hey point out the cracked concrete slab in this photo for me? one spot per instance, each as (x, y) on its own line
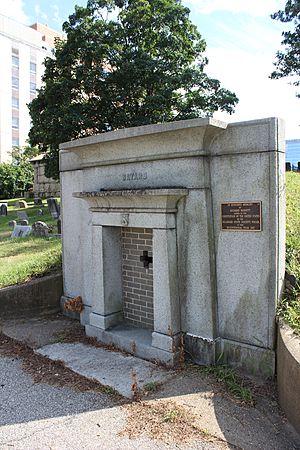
(110, 368)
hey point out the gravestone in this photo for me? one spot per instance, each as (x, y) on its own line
(38, 202)
(22, 204)
(40, 229)
(24, 222)
(40, 212)
(12, 223)
(3, 209)
(59, 225)
(21, 231)
(53, 207)
(22, 215)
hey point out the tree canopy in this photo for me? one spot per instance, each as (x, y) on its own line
(288, 60)
(123, 63)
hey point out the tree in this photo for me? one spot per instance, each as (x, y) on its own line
(288, 60)
(23, 154)
(143, 65)
(17, 176)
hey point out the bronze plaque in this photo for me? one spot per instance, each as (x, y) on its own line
(241, 216)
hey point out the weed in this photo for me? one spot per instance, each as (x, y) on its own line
(170, 415)
(110, 390)
(152, 386)
(134, 388)
(232, 382)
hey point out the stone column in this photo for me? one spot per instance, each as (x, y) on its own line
(107, 279)
(165, 290)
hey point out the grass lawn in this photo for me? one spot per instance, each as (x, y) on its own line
(25, 258)
(289, 308)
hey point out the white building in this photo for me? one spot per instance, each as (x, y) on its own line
(23, 50)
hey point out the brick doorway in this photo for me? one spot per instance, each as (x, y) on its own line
(137, 277)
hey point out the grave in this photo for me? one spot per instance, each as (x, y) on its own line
(38, 202)
(54, 208)
(40, 229)
(20, 231)
(174, 236)
(21, 204)
(22, 215)
(3, 209)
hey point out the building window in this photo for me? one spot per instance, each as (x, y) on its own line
(15, 102)
(33, 67)
(15, 82)
(15, 142)
(32, 88)
(15, 61)
(15, 122)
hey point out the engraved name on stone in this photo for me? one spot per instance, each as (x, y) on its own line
(133, 176)
(241, 216)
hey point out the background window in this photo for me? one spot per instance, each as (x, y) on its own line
(33, 88)
(15, 82)
(15, 61)
(15, 122)
(33, 67)
(15, 102)
(15, 142)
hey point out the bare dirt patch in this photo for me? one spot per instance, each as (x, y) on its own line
(166, 421)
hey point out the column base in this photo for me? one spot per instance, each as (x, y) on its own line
(105, 321)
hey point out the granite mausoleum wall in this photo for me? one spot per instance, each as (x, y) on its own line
(213, 196)
(137, 279)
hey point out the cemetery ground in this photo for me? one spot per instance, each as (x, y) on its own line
(45, 405)
(22, 259)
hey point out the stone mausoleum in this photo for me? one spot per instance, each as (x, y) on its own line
(173, 235)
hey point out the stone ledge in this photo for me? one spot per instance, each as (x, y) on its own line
(41, 295)
(288, 373)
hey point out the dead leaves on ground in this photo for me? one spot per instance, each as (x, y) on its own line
(163, 420)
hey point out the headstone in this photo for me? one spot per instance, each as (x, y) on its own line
(24, 222)
(21, 231)
(53, 207)
(22, 204)
(40, 212)
(40, 229)
(22, 215)
(38, 202)
(298, 166)
(3, 209)
(59, 225)
(288, 166)
(12, 224)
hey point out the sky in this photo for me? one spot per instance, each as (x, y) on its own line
(242, 41)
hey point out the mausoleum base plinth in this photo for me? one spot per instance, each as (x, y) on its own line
(136, 341)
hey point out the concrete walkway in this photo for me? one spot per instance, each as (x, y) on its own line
(42, 416)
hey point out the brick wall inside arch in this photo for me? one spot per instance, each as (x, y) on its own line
(137, 279)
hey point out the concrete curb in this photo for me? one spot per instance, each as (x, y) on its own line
(37, 296)
(288, 373)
